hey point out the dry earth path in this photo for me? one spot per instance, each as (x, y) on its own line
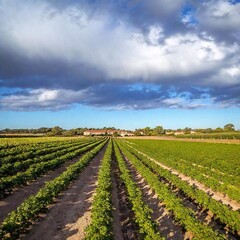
(117, 230)
(11, 202)
(166, 224)
(71, 213)
(124, 226)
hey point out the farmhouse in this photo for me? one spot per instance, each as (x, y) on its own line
(110, 132)
(178, 133)
(125, 133)
(94, 132)
(106, 132)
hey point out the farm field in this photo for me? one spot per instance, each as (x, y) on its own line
(103, 188)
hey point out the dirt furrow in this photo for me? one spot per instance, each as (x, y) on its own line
(71, 213)
(129, 229)
(12, 201)
(202, 215)
(117, 229)
(166, 224)
(205, 216)
(214, 194)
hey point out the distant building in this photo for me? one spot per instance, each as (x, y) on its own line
(178, 133)
(125, 133)
(94, 132)
(169, 133)
(107, 132)
(110, 132)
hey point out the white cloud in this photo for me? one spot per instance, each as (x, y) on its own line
(42, 99)
(229, 76)
(47, 99)
(233, 71)
(155, 35)
(183, 102)
(119, 51)
(219, 17)
(116, 49)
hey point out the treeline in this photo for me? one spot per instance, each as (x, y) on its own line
(213, 135)
(48, 131)
(159, 130)
(224, 132)
(54, 131)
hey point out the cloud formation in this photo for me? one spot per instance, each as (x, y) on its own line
(61, 53)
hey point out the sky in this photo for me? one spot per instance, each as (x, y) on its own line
(121, 63)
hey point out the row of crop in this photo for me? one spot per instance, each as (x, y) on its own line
(233, 192)
(21, 178)
(9, 169)
(101, 214)
(6, 149)
(225, 135)
(147, 227)
(15, 141)
(41, 150)
(224, 213)
(171, 160)
(182, 214)
(222, 157)
(213, 173)
(20, 219)
(21, 148)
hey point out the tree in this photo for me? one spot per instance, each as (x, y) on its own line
(71, 132)
(158, 130)
(147, 131)
(218, 130)
(116, 134)
(57, 131)
(229, 127)
(187, 130)
(138, 132)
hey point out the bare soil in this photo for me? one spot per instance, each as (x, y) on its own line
(71, 214)
(129, 229)
(201, 214)
(214, 194)
(11, 202)
(166, 224)
(205, 216)
(117, 228)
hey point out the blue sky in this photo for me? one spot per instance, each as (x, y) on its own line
(83, 116)
(127, 64)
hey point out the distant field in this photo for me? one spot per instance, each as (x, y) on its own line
(187, 139)
(210, 163)
(225, 135)
(2, 135)
(103, 188)
(23, 139)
